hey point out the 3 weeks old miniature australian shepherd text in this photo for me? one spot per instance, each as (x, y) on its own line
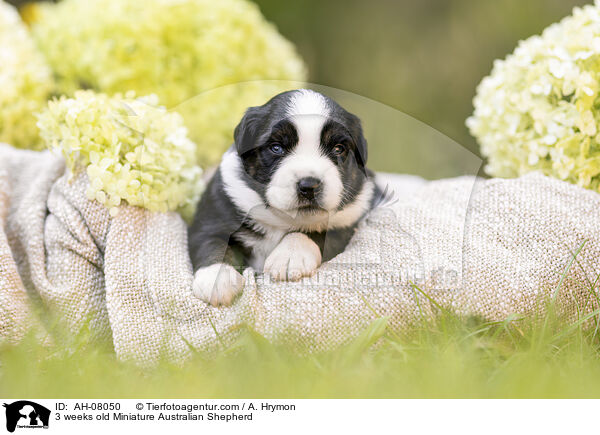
(287, 195)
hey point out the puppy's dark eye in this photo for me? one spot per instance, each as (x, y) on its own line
(339, 149)
(277, 149)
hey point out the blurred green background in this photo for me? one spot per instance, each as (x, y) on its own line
(422, 58)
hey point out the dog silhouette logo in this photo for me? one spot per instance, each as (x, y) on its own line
(26, 414)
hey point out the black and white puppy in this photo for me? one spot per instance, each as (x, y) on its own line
(287, 195)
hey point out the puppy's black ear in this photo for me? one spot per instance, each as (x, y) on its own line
(247, 133)
(356, 131)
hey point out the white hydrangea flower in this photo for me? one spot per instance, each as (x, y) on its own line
(132, 149)
(539, 108)
(25, 81)
(177, 49)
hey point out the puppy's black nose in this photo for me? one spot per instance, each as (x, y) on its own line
(309, 187)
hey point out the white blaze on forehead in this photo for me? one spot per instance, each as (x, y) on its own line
(307, 102)
(308, 128)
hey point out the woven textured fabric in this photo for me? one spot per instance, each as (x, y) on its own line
(488, 248)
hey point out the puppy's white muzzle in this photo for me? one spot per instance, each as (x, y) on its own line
(285, 191)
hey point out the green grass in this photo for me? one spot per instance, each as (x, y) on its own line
(542, 356)
(452, 357)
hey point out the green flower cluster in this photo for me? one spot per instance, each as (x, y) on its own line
(132, 149)
(539, 108)
(25, 81)
(177, 49)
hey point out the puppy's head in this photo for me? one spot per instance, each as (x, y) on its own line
(302, 152)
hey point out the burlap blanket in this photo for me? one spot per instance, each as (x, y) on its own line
(476, 247)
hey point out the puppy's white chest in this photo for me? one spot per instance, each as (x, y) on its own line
(261, 246)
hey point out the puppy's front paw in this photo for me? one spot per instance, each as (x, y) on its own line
(217, 284)
(294, 257)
